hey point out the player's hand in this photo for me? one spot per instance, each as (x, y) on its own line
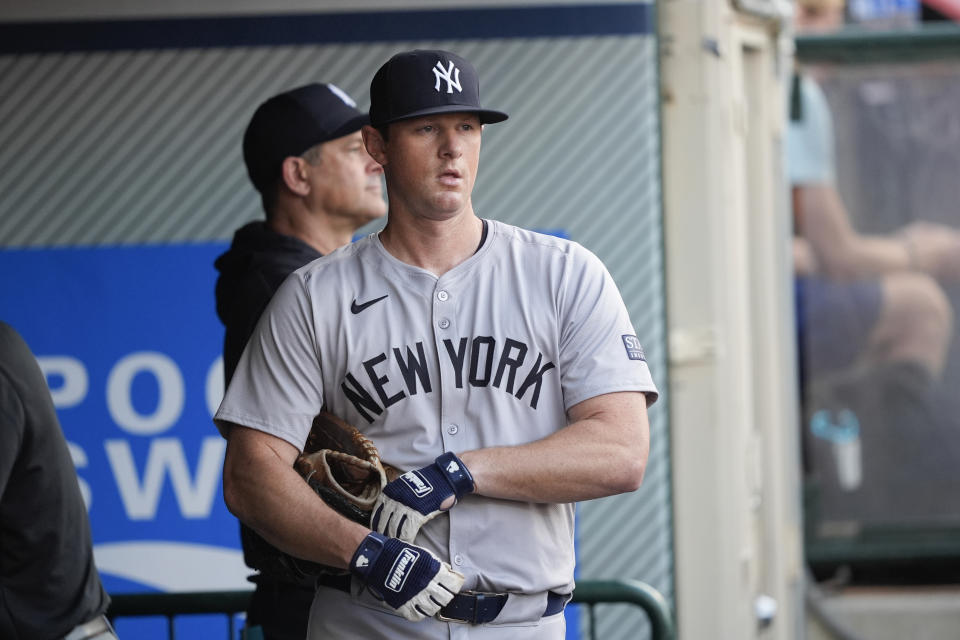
(408, 578)
(933, 248)
(418, 496)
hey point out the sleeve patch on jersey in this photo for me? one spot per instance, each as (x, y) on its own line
(634, 350)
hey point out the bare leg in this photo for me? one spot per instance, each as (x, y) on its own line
(915, 324)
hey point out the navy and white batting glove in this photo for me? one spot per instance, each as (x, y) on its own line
(415, 497)
(410, 579)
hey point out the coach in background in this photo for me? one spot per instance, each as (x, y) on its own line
(49, 585)
(305, 155)
(498, 367)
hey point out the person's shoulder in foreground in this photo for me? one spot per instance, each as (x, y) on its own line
(49, 585)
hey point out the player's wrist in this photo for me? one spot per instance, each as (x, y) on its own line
(456, 473)
(367, 554)
(411, 579)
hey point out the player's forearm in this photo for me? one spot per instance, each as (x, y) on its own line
(262, 489)
(306, 528)
(600, 454)
(554, 472)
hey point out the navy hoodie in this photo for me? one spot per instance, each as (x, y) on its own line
(251, 271)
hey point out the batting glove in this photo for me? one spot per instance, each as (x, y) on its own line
(410, 579)
(415, 497)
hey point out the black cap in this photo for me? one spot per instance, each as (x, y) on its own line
(423, 82)
(290, 123)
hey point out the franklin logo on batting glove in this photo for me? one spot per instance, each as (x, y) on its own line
(415, 497)
(408, 578)
(401, 569)
(417, 483)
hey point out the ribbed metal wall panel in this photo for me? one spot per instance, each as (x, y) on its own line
(142, 147)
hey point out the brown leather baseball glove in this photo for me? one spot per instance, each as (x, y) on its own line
(343, 466)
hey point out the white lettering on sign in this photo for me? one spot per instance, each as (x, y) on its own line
(166, 457)
(171, 393)
(73, 390)
(141, 484)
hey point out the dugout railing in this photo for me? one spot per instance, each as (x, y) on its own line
(589, 594)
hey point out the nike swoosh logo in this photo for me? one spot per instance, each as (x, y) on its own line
(357, 308)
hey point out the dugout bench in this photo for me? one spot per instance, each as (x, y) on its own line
(588, 593)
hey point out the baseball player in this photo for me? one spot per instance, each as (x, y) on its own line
(496, 366)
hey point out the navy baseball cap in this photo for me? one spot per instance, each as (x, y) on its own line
(423, 82)
(290, 123)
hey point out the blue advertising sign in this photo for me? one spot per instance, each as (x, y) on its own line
(130, 343)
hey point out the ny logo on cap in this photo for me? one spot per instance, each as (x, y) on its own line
(451, 74)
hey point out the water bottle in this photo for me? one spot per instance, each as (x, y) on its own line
(844, 436)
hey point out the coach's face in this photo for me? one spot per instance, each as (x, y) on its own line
(430, 163)
(345, 181)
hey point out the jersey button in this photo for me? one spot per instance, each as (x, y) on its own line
(442, 296)
(452, 429)
(444, 323)
(458, 559)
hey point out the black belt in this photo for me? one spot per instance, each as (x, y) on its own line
(474, 607)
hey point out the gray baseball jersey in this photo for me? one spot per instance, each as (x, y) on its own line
(491, 353)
